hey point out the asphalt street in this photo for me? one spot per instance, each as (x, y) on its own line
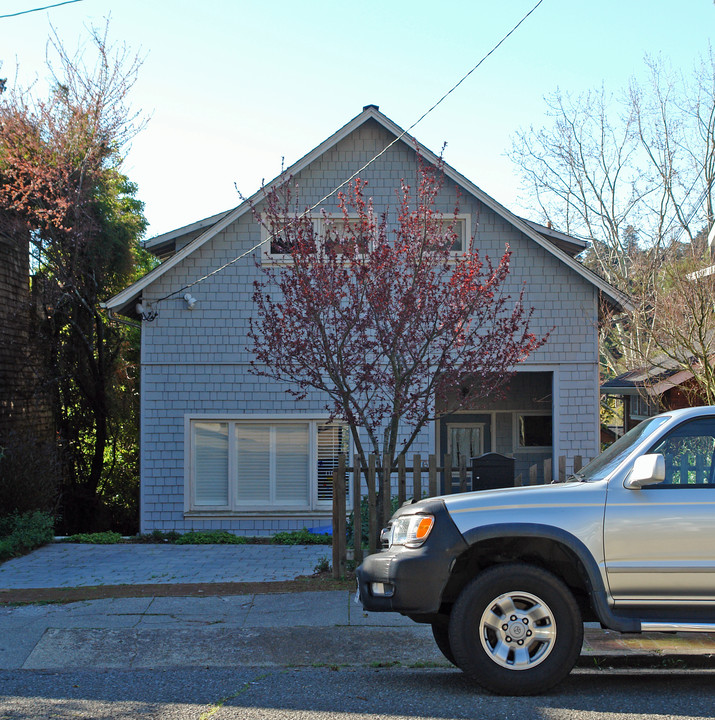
(288, 655)
(345, 693)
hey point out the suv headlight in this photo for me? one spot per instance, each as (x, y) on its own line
(411, 530)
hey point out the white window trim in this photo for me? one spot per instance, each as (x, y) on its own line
(467, 237)
(318, 222)
(525, 449)
(279, 258)
(234, 507)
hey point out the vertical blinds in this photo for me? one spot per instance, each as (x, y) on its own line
(332, 440)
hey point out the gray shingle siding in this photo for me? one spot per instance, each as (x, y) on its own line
(195, 362)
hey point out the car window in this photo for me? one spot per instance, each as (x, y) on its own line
(688, 450)
(615, 454)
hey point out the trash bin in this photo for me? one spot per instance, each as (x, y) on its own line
(492, 470)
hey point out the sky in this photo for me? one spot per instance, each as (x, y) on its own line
(232, 89)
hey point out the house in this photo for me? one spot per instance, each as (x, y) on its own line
(24, 404)
(647, 391)
(221, 448)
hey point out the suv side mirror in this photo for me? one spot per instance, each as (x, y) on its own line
(647, 470)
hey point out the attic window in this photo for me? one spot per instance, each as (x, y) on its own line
(460, 226)
(339, 229)
(281, 242)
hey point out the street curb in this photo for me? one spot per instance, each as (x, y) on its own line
(627, 661)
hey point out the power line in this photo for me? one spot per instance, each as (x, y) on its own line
(39, 9)
(365, 166)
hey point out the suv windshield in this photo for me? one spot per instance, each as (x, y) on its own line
(612, 456)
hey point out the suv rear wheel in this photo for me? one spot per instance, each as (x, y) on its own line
(516, 630)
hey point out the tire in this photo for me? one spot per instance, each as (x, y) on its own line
(440, 633)
(516, 630)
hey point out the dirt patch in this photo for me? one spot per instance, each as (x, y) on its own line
(313, 583)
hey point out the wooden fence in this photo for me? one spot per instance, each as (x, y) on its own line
(425, 482)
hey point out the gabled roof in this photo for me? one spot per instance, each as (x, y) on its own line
(654, 380)
(210, 227)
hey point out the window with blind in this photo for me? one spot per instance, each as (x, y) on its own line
(245, 465)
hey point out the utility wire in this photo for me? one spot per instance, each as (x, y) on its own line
(39, 9)
(364, 167)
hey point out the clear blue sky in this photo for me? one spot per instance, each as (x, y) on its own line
(234, 86)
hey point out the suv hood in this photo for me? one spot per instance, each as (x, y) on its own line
(558, 504)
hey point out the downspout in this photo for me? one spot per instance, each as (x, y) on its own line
(121, 321)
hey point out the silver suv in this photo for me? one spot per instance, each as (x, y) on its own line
(506, 578)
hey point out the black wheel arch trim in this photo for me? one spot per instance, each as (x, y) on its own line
(599, 595)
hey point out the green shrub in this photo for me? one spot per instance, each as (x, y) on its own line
(157, 536)
(22, 533)
(323, 565)
(99, 538)
(301, 537)
(210, 537)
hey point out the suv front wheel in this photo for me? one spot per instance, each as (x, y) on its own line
(516, 630)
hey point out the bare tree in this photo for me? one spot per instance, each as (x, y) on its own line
(633, 172)
(682, 327)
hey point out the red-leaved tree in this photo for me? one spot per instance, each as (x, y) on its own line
(388, 325)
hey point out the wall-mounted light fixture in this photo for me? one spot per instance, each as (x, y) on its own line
(190, 301)
(146, 311)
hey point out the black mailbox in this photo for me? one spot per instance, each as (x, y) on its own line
(492, 470)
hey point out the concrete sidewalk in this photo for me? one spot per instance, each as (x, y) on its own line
(301, 628)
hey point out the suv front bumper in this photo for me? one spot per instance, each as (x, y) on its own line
(411, 580)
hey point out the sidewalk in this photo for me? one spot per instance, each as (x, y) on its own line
(301, 628)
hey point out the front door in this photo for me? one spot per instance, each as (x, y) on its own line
(465, 440)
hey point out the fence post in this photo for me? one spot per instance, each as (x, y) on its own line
(386, 487)
(533, 474)
(372, 528)
(339, 518)
(433, 492)
(357, 513)
(562, 468)
(548, 471)
(401, 480)
(518, 480)
(417, 476)
(447, 463)
(462, 473)
(577, 463)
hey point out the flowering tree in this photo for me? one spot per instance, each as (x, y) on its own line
(388, 326)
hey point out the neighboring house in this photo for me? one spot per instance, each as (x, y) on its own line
(24, 406)
(221, 448)
(645, 392)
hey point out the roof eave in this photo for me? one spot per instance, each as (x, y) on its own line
(615, 298)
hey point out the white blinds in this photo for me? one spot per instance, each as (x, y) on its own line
(272, 464)
(292, 469)
(253, 469)
(211, 464)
